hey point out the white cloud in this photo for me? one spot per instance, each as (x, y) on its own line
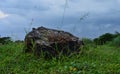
(3, 15)
(103, 16)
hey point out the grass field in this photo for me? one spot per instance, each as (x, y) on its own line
(103, 59)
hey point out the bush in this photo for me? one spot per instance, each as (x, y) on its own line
(116, 41)
(87, 41)
(104, 38)
(5, 40)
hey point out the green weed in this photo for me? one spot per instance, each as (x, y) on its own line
(100, 60)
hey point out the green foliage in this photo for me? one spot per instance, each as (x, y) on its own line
(108, 38)
(87, 41)
(100, 60)
(116, 41)
(104, 38)
(116, 34)
(5, 40)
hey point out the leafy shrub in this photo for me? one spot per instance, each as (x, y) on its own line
(87, 41)
(5, 40)
(116, 41)
(104, 38)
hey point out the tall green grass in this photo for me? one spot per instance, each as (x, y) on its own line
(99, 60)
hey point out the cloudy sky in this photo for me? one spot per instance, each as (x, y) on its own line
(83, 18)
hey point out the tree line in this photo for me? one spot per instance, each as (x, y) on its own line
(107, 38)
(6, 40)
(110, 38)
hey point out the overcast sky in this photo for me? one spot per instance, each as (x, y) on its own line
(83, 18)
